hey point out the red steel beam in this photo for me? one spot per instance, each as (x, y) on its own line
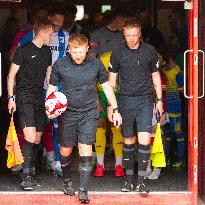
(193, 104)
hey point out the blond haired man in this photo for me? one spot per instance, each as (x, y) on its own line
(77, 74)
(30, 65)
(136, 64)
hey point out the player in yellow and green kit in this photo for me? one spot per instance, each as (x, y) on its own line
(117, 140)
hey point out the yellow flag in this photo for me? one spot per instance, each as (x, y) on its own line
(157, 153)
(12, 146)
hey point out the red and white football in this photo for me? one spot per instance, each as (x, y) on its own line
(56, 103)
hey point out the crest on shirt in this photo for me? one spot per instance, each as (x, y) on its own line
(61, 39)
(93, 44)
(110, 65)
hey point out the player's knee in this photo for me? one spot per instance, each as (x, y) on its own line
(66, 151)
(130, 140)
(85, 150)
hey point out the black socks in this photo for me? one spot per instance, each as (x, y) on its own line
(65, 166)
(128, 157)
(85, 168)
(143, 158)
(27, 152)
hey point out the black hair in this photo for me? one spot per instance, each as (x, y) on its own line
(120, 11)
(167, 51)
(70, 8)
(53, 11)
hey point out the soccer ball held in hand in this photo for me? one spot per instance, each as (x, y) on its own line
(56, 103)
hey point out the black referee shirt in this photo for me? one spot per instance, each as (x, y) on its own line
(33, 62)
(79, 81)
(135, 67)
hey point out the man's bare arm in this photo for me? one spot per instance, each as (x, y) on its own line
(11, 79)
(48, 73)
(50, 89)
(115, 116)
(109, 92)
(157, 84)
(158, 88)
(113, 79)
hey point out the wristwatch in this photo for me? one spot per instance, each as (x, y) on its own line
(115, 110)
(159, 99)
(13, 97)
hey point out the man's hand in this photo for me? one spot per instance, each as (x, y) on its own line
(11, 105)
(114, 117)
(159, 107)
(52, 116)
(154, 128)
(117, 119)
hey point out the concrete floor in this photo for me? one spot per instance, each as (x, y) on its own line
(172, 180)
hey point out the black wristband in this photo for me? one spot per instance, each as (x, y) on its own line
(115, 110)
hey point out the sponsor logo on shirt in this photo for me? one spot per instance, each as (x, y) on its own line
(57, 48)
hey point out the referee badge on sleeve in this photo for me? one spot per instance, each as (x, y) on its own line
(93, 45)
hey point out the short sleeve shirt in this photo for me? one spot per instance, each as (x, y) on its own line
(104, 40)
(33, 62)
(135, 67)
(79, 81)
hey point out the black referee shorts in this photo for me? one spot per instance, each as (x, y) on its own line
(137, 113)
(32, 115)
(77, 127)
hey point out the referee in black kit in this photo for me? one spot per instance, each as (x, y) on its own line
(30, 65)
(136, 64)
(77, 74)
